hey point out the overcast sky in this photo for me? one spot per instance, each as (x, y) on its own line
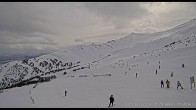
(30, 28)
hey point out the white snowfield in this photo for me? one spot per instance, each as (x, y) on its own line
(113, 72)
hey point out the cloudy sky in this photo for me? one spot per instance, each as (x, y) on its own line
(33, 28)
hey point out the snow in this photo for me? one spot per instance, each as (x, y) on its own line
(122, 61)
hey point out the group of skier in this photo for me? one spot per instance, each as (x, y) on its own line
(168, 84)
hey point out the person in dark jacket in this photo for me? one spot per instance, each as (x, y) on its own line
(156, 71)
(111, 100)
(182, 65)
(65, 92)
(162, 83)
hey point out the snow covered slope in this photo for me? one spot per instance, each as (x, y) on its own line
(92, 72)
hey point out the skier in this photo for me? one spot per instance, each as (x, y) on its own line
(179, 84)
(65, 92)
(168, 83)
(162, 83)
(136, 75)
(172, 74)
(182, 65)
(111, 100)
(156, 71)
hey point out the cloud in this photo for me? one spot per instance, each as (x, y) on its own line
(118, 13)
(23, 18)
(39, 26)
(117, 9)
(27, 49)
(163, 16)
(33, 38)
(23, 23)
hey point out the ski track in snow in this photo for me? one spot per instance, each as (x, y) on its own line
(30, 91)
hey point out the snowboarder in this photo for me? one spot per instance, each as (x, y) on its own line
(65, 92)
(172, 74)
(168, 83)
(179, 84)
(162, 83)
(111, 100)
(136, 75)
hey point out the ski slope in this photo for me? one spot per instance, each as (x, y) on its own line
(113, 72)
(128, 91)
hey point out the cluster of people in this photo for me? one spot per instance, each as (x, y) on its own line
(168, 84)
